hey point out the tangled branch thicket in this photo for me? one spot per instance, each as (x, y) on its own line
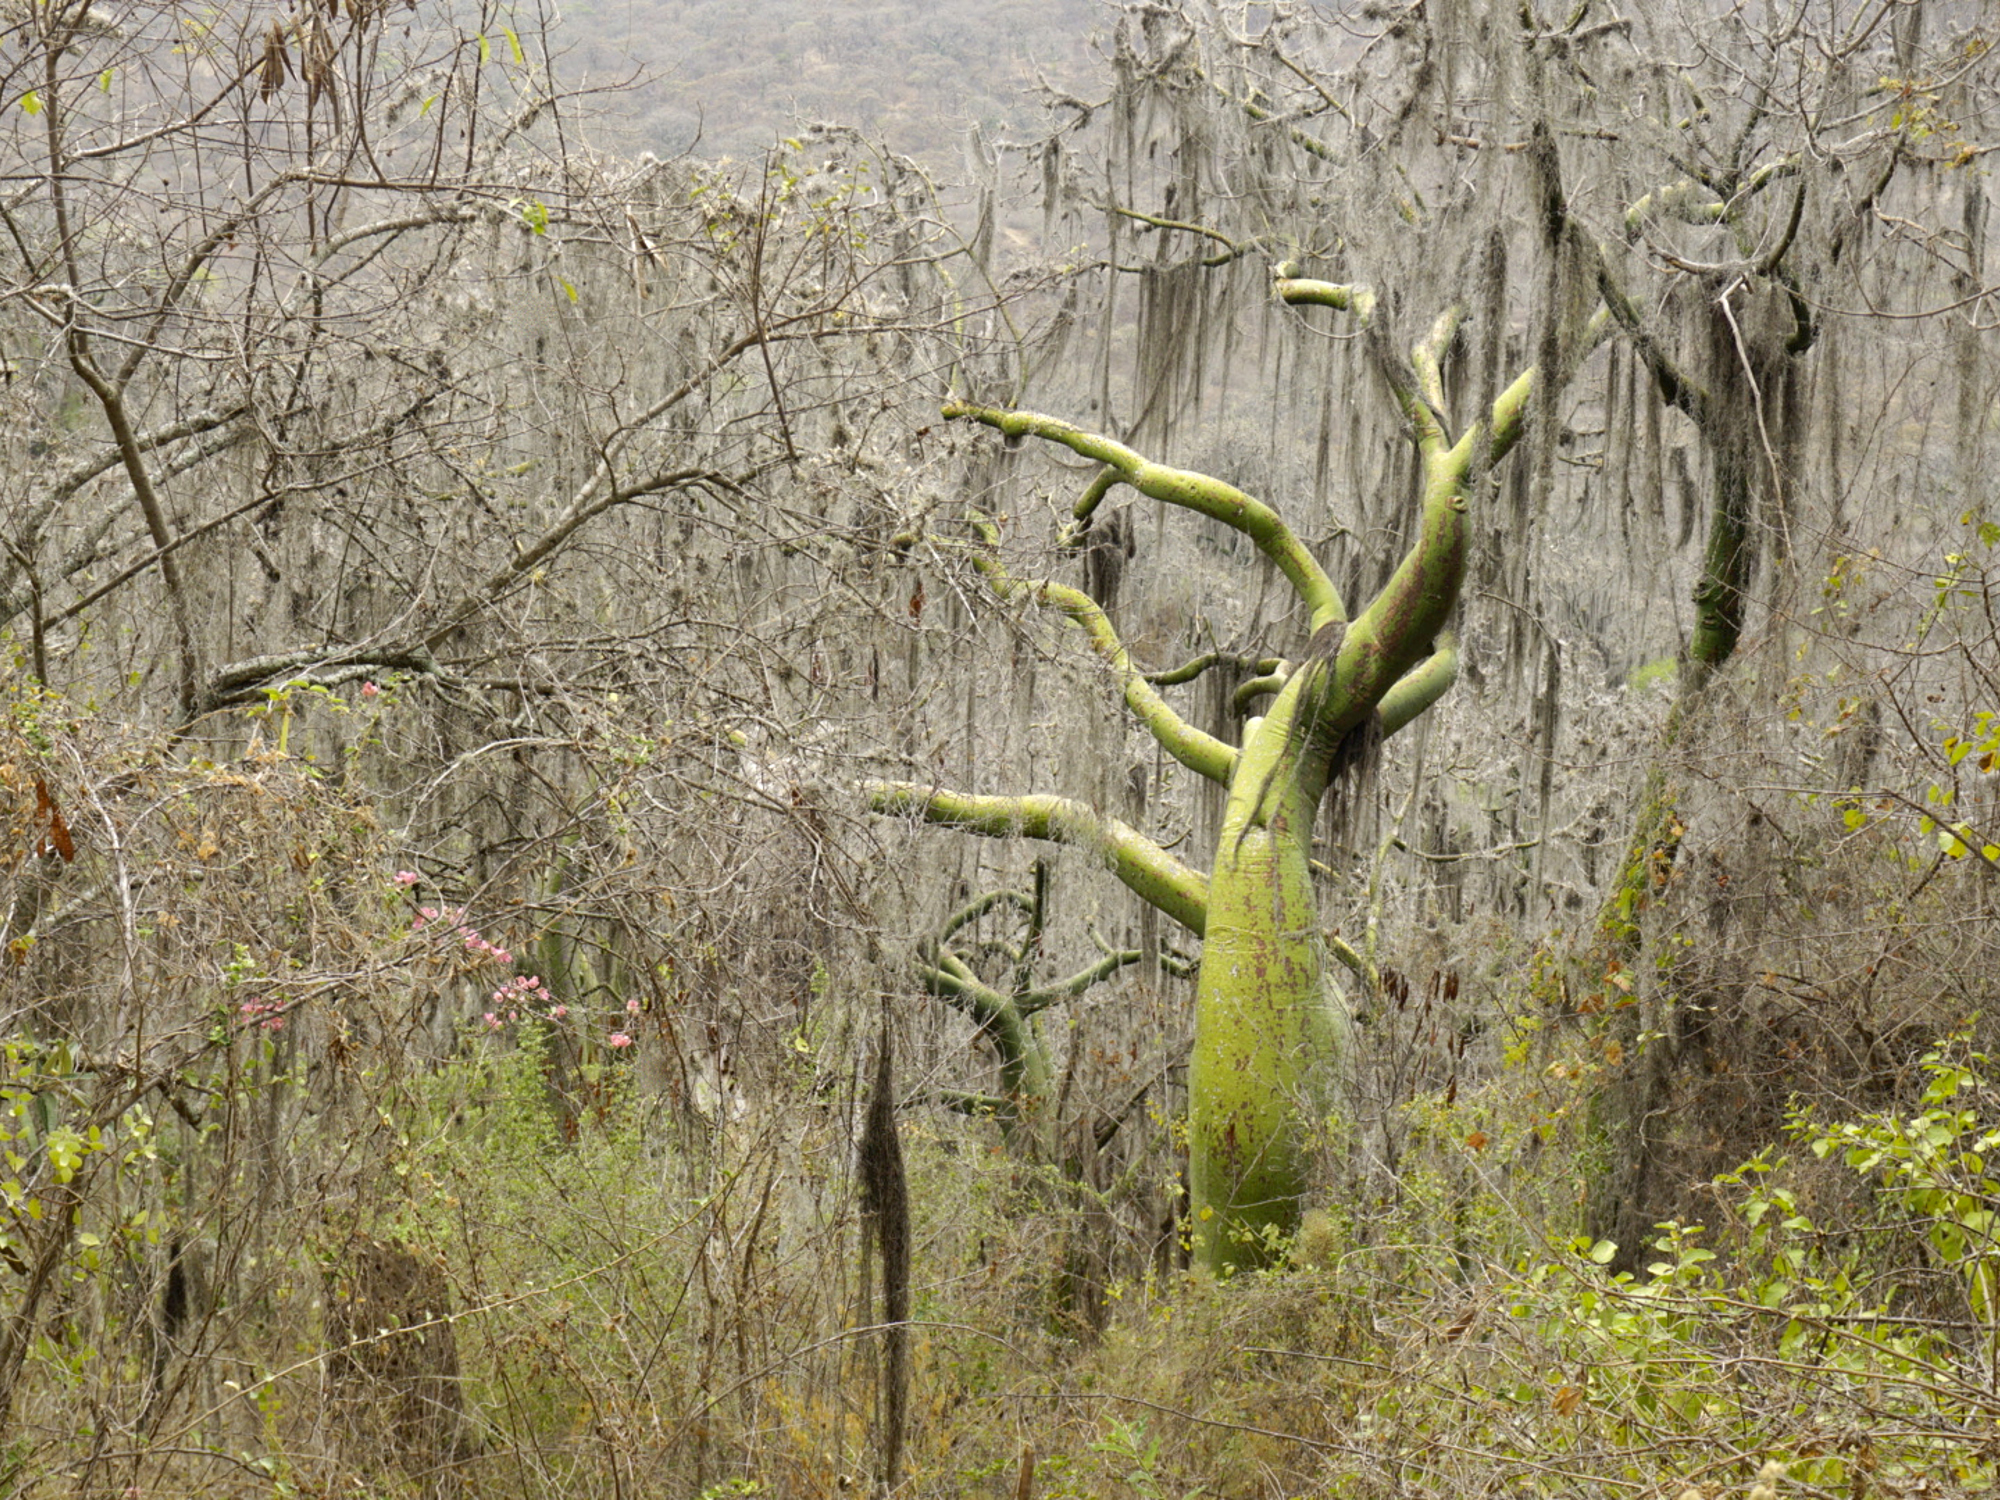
(459, 583)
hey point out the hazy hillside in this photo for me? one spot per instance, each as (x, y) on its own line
(737, 72)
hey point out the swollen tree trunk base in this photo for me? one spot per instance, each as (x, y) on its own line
(1268, 1045)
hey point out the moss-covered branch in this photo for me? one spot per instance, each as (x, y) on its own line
(1200, 752)
(1697, 203)
(950, 978)
(1428, 358)
(1261, 686)
(1422, 687)
(1103, 484)
(973, 910)
(1147, 869)
(1041, 997)
(1208, 660)
(1302, 291)
(1398, 628)
(1307, 142)
(1233, 249)
(1007, 1018)
(1185, 488)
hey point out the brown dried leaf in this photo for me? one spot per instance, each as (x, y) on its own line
(275, 66)
(56, 839)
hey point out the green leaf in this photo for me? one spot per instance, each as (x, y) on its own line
(568, 290)
(31, 102)
(514, 42)
(485, 50)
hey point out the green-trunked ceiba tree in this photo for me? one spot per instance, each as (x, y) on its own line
(1271, 1031)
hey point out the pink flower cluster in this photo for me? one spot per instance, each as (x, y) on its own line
(523, 989)
(475, 943)
(407, 878)
(619, 1040)
(269, 1014)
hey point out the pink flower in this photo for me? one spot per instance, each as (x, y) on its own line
(618, 1039)
(407, 878)
(370, 690)
(269, 1014)
(558, 1012)
(631, 1007)
(493, 1022)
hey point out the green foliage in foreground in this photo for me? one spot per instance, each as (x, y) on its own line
(666, 1309)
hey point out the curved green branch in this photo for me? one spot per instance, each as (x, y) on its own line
(1303, 291)
(972, 911)
(1233, 250)
(1188, 671)
(1257, 687)
(1185, 488)
(1695, 202)
(951, 978)
(1200, 752)
(1043, 996)
(1396, 631)
(1428, 357)
(1146, 869)
(1104, 483)
(1427, 683)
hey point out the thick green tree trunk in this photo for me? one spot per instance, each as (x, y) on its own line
(1271, 1035)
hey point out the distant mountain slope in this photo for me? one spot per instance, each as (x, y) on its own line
(738, 73)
